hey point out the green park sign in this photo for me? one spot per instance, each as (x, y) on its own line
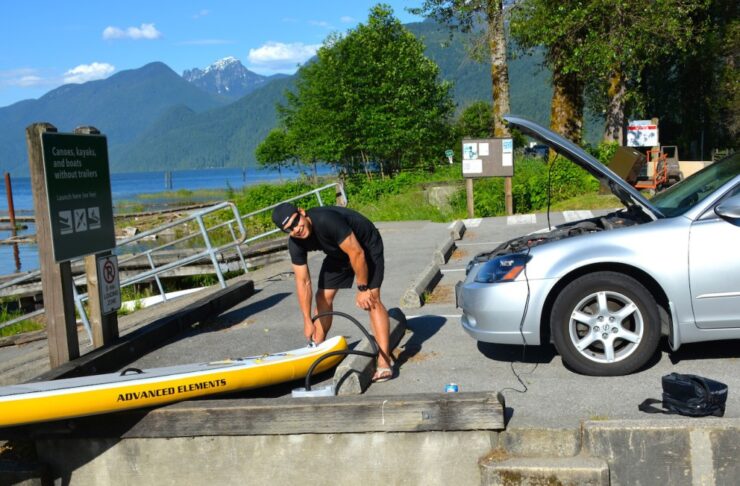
(79, 195)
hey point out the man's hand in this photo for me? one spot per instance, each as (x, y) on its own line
(365, 300)
(308, 328)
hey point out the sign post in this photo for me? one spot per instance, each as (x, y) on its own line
(449, 154)
(56, 277)
(74, 216)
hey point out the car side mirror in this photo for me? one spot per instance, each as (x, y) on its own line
(729, 210)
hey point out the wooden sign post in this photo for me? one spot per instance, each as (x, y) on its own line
(104, 325)
(56, 277)
(74, 216)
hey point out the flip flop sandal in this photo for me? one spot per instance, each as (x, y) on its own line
(382, 374)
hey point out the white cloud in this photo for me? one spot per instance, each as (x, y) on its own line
(146, 31)
(346, 19)
(23, 78)
(202, 13)
(278, 55)
(28, 81)
(320, 23)
(88, 72)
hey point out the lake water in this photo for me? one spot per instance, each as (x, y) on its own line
(127, 186)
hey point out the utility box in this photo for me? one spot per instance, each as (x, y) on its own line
(488, 157)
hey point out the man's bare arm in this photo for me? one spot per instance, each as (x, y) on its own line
(350, 245)
(356, 254)
(304, 293)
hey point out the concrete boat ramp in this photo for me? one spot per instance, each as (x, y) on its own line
(520, 417)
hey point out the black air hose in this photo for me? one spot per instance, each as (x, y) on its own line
(345, 352)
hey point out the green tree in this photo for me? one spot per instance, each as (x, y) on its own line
(370, 97)
(466, 16)
(276, 151)
(475, 121)
(696, 92)
(605, 46)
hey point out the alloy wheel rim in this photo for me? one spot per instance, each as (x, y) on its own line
(606, 327)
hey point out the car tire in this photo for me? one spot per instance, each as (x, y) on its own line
(605, 324)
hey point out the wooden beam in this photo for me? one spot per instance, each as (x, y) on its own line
(286, 415)
(104, 326)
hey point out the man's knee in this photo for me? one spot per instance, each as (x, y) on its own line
(325, 297)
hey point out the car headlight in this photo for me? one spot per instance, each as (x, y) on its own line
(502, 269)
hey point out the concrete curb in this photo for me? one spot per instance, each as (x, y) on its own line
(353, 374)
(584, 471)
(413, 298)
(458, 230)
(444, 251)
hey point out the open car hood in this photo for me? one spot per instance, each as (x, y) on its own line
(629, 196)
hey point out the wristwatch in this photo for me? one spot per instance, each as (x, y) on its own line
(362, 287)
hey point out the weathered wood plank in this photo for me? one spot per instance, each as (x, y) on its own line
(281, 416)
(56, 278)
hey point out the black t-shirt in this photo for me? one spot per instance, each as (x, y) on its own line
(331, 225)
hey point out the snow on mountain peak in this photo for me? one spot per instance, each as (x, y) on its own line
(222, 64)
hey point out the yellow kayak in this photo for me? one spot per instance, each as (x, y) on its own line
(89, 395)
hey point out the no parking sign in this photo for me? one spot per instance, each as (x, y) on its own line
(108, 285)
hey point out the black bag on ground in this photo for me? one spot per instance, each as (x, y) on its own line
(690, 395)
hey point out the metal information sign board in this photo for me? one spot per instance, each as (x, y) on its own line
(109, 285)
(79, 195)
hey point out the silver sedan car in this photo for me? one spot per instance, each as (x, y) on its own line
(605, 289)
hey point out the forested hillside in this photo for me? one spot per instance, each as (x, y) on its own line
(228, 136)
(121, 107)
(154, 119)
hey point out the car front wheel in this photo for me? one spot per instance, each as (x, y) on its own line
(605, 324)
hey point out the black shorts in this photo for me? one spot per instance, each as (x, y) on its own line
(338, 274)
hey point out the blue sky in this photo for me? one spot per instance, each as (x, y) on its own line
(46, 44)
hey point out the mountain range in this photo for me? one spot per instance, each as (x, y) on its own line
(228, 77)
(215, 117)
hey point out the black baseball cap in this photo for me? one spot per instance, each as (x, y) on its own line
(282, 213)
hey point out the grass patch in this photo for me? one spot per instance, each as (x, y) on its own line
(587, 201)
(406, 206)
(27, 325)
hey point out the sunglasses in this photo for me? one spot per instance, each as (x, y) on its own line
(293, 225)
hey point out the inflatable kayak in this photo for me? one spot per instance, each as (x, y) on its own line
(133, 388)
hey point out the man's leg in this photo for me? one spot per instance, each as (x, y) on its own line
(380, 322)
(324, 303)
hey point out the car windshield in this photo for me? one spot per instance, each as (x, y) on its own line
(678, 199)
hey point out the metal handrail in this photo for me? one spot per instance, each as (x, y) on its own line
(210, 251)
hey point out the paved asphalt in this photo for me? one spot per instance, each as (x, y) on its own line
(539, 390)
(435, 350)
